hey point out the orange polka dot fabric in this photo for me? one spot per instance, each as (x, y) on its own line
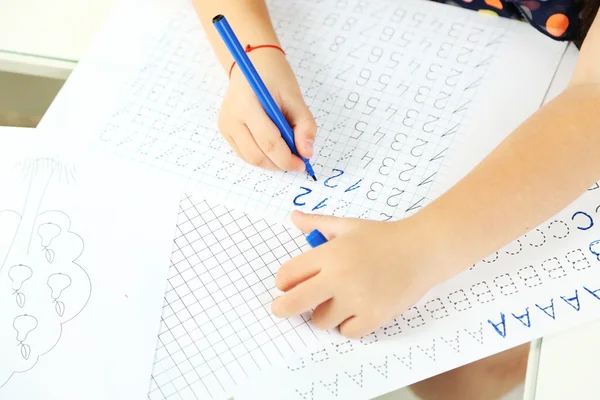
(557, 19)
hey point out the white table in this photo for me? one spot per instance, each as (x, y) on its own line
(568, 365)
(46, 38)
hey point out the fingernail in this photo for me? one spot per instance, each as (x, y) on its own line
(309, 146)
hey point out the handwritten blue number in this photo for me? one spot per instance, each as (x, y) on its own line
(597, 254)
(307, 191)
(326, 183)
(353, 187)
(322, 204)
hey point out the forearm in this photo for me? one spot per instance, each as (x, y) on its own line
(543, 166)
(249, 18)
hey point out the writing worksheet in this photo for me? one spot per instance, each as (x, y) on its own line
(395, 87)
(403, 93)
(83, 261)
(218, 336)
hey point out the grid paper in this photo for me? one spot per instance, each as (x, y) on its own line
(217, 335)
(390, 89)
(217, 328)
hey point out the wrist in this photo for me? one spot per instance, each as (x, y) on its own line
(439, 237)
(269, 50)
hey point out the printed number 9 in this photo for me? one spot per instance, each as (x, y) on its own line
(363, 79)
(352, 100)
(376, 54)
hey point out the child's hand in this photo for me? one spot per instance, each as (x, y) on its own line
(366, 275)
(248, 128)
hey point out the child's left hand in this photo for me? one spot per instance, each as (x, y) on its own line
(365, 276)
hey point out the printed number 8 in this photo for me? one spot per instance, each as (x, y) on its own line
(339, 40)
(350, 22)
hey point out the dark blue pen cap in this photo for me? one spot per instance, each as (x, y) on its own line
(315, 238)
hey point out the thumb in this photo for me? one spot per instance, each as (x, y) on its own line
(328, 226)
(303, 123)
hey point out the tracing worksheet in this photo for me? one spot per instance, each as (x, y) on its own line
(402, 92)
(394, 87)
(83, 262)
(218, 334)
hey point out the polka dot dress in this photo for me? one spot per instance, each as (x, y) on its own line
(554, 18)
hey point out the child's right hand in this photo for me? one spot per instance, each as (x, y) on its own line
(247, 127)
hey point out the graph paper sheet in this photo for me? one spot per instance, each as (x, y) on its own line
(218, 337)
(396, 88)
(217, 328)
(83, 261)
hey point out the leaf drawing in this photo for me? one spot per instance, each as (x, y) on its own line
(20, 247)
(25, 351)
(60, 308)
(20, 299)
(49, 255)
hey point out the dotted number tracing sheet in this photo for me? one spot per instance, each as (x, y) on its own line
(217, 331)
(395, 86)
(391, 85)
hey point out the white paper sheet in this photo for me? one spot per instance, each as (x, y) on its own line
(157, 90)
(394, 87)
(84, 249)
(217, 331)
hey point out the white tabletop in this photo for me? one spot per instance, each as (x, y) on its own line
(47, 38)
(568, 365)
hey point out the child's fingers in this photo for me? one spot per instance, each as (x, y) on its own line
(356, 327)
(329, 314)
(302, 298)
(328, 226)
(233, 145)
(268, 137)
(250, 151)
(295, 271)
(304, 125)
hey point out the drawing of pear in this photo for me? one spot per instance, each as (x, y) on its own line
(57, 283)
(47, 232)
(24, 324)
(39, 271)
(18, 274)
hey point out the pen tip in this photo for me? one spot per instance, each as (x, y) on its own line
(314, 178)
(217, 18)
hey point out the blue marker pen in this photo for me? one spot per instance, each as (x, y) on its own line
(315, 238)
(241, 58)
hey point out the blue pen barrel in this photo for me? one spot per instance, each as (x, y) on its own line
(241, 58)
(268, 103)
(316, 238)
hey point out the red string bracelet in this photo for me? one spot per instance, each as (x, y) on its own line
(251, 48)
